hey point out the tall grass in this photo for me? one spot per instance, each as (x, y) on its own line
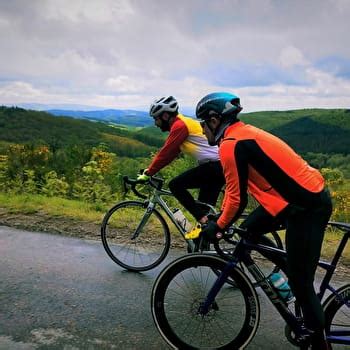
(52, 206)
(86, 212)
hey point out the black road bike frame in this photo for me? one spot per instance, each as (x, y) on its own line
(242, 254)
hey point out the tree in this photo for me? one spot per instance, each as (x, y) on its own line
(55, 186)
(333, 177)
(91, 187)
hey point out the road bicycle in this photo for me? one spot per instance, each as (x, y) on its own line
(194, 308)
(136, 235)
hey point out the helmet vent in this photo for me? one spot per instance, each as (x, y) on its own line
(164, 104)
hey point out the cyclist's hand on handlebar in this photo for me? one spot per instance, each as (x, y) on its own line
(214, 217)
(143, 177)
(210, 231)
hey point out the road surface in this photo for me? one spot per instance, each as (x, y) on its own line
(65, 293)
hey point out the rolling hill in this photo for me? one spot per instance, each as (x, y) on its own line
(26, 126)
(310, 130)
(307, 130)
(116, 116)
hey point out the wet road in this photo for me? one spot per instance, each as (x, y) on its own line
(65, 293)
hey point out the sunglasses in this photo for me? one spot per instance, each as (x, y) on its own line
(205, 122)
(202, 123)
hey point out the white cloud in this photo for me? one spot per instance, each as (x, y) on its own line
(77, 11)
(18, 90)
(324, 91)
(125, 53)
(291, 56)
(123, 84)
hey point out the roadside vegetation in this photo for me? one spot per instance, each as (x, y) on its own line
(80, 176)
(29, 186)
(28, 204)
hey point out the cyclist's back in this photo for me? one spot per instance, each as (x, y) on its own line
(185, 135)
(272, 166)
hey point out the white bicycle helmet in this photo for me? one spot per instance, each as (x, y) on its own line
(164, 104)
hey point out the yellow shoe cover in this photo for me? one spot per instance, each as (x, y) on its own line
(194, 233)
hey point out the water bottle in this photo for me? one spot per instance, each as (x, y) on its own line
(181, 219)
(282, 287)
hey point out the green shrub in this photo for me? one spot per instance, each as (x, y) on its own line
(54, 186)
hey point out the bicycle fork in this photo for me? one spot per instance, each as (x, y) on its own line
(148, 212)
(209, 301)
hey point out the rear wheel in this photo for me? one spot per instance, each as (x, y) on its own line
(181, 289)
(134, 237)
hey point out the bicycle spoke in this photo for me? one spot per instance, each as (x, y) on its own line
(145, 251)
(182, 304)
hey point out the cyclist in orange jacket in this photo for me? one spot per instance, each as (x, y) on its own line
(186, 135)
(290, 192)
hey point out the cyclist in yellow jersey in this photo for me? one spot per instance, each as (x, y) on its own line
(186, 135)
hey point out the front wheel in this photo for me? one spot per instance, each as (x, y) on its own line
(178, 295)
(337, 314)
(134, 237)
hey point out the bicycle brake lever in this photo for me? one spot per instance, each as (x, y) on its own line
(133, 184)
(138, 194)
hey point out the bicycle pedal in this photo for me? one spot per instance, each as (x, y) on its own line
(194, 233)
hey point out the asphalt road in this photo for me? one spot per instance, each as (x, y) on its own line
(65, 293)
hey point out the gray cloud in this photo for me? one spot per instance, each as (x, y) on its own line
(124, 53)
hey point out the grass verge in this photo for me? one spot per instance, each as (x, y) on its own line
(83, 212)
(52, 206)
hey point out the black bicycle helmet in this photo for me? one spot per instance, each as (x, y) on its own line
(164, 104)
(222, 104)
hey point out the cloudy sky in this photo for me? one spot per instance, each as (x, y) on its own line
(274, 54)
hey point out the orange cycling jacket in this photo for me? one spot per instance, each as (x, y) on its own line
(258, 162)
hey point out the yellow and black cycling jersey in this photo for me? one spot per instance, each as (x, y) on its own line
(186, 135)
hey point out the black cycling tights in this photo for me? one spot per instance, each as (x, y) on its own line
(304, 235)
(207, 177)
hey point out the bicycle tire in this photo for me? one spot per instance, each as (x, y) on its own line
(146, 251)
(337, 315)
(179, 289)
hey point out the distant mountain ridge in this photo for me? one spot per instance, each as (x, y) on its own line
(324, 131)
(20, 126)
(117, 116)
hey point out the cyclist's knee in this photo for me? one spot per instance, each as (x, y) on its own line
(173, 185)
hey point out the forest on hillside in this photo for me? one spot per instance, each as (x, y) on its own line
(314, 130)
(19, 126)
(77, 159)
(320, 136)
